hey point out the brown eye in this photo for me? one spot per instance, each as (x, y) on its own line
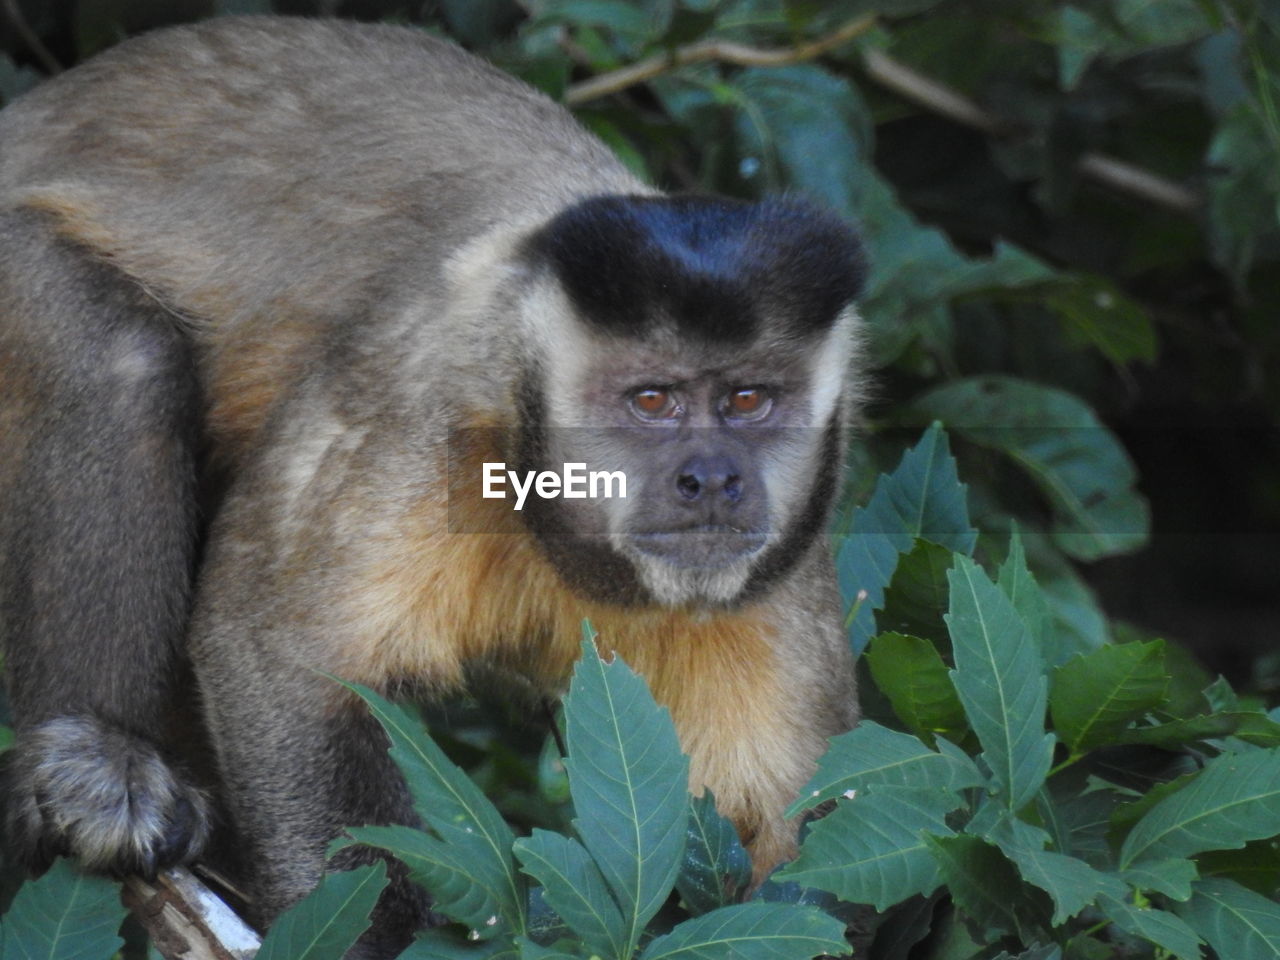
(654, 403)
(748, 403)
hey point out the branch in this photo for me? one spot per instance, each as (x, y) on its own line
(907, 83)
(1120, 176)
(28, 36)
(721, 50)
(187, 920)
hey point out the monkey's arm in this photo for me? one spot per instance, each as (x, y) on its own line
(97, 548)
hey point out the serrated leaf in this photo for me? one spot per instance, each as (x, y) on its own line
(64, 915)
(871, 849)
(1171, 877)
(325, 923)
(460, 887)
(752, 931)
(1238, 923)
(872, 755)
(903, 927)
(999, 680)
(917, 594)
(629, 783)
(1255, 728)
(1070, 883)
(454, 807)
(1255, 865)
(1019, 585)
(443, 944)
(910, 672)
(561, 950)
(1098, 694)
(1077, 462)
(574, 887)
(715, 864)
(1235, 799)
(1158, 926)
(985, 886)
(922, 498)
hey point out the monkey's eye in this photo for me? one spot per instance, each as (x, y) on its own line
(655, 403)
(748, 403)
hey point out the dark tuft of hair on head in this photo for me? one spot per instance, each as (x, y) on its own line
(716, 268)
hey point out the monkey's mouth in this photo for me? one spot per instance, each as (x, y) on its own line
(704, 545)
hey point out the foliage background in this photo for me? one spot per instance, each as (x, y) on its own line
(1073, 218)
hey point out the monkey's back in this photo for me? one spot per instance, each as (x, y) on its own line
(242, 139)
(271, 182)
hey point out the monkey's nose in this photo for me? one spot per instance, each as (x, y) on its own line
(703, 477)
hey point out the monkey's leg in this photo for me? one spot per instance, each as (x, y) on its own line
(301, 758)
(98, 410)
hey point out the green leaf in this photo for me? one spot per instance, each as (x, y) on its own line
(985, 886)
(1070, 883)
(1238, 923)
(1098, 694)
(999, 680)
(461, 888)
(808, 129)
(1171, 877)
(1235, 799)
(752, 931)
(715, 864)
(1018, 583)
(1158, 926)
(1255, 865)
(910, 672)
(1094, 312)
(871, 849)
(1242, 198)
(1255, 728)
(872, 755)
(560, 950)
(629, 783)
(444, 944)
(64, 915)
(922, 498)
(455, 808)
(574, 887)
(917, 595)
(1082, 469)
(325, 923)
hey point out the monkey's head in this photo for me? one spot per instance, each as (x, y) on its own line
(702, 348)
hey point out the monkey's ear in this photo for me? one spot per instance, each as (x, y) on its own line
(712, 266)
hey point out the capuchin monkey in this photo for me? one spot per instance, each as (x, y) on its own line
(272, 294)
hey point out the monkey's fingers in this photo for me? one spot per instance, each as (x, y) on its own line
(80, 787)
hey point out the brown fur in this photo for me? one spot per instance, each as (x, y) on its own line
(292, 253)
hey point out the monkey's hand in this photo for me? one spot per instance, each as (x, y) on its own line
(77, 786)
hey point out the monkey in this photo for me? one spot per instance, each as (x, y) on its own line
(273, 293)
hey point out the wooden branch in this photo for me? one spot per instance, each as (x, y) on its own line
(1120, 176)
(720, 50)
(28, 36)
(186, 920)
(906, 82)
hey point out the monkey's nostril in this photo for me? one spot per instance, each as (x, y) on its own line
(688, 486)
(733, 487)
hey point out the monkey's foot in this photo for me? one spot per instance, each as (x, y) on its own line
(80, 787)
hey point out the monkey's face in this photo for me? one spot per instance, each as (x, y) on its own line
(689, 347)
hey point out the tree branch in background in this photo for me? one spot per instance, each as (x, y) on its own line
(902, 80)
(930, 95)
(28, 36)
(720, 50)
